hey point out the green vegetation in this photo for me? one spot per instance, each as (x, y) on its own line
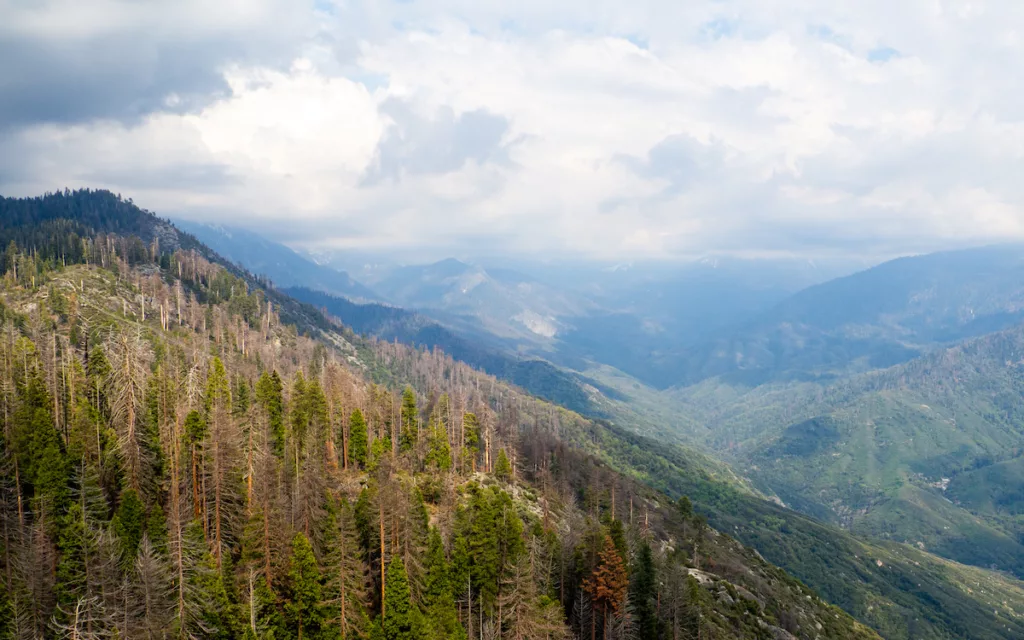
(179, 466)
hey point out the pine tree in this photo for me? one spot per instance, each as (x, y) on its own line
(304, 609)
(502, 467)
(410, 420)
(129, 524)
(438, 599)
(471, 437)
(398, 619)
(644, 593)
(269, 394)
(357, 439)
(439, 454)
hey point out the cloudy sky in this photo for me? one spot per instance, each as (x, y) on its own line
(647, 128)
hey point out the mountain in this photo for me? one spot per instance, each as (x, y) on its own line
(502, 302)
(241, 479)
(354, 304)
(389, 323)
(636, 318)
(282, 265)
(926, 452)
(183, 462)
(872, 319)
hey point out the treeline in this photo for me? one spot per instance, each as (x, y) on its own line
(178, 464)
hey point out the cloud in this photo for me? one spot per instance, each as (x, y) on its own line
(70, 62)
(444, 143)
(618, 130)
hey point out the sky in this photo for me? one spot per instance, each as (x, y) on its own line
(612, 130)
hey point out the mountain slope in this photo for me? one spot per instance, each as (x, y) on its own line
(537, 376)
(560, 458)
(925, 452)
(873, 319)
(250, 499)
(282, 265)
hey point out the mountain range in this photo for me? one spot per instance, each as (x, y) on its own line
(885, 401)
(888, 485)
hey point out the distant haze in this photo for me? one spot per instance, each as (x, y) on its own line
(613, 131)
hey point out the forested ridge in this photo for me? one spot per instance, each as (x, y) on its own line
(177, 462)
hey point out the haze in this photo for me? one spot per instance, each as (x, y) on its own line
(609, 131)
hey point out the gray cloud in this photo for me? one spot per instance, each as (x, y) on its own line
(646, 128)
(681, 160)
(414, 145)
(199, 177)
(121, 61)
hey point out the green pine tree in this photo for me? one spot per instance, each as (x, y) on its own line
(471, 437)
(304, 608)
(398, 619)
(439, 454)
(269, 394)
(442, 620)
(129, 523)
(410, 421)
(502, 467)
(357, 437)
(644, 594)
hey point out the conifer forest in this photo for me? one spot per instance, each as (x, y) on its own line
(187, 453)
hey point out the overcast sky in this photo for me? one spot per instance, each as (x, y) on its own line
(611, 130)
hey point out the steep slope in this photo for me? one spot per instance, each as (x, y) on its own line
(280, 264)
(537, 376)
(873, 319)
(925, 452)
(272, 543)
(572, 467)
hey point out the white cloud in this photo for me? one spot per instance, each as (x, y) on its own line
(607, 129)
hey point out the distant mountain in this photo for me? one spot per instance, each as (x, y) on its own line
(872, 319)
(282, 265)
(502, 302)
(928, 452)
(537, 376)
(636, 318)
(56, 283)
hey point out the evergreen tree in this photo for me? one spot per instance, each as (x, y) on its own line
(129, 523)
(471, 438)
(502, 467)
(269, 394)
(398, 619)
(156, 528)
(684, 507)
(410, 421)
(357, 437)
(644, 593)
(439, 454)
(304, 609)
(438, 598)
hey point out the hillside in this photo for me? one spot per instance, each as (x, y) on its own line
(926, 452)
(386, 322)
(873, 319)
(281, 265)
(169, 433)
(181, 462)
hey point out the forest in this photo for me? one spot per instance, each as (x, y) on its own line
(179, 461)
